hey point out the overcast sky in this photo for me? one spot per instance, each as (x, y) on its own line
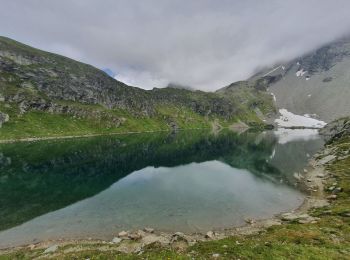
(206, 44)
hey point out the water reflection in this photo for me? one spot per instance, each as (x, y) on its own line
(37, 178)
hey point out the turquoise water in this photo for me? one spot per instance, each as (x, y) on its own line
(189, 181)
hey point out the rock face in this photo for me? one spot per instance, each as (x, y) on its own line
(336, 129)
(3, 118)
(314, 83)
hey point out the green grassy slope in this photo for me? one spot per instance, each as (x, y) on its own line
(45, 94)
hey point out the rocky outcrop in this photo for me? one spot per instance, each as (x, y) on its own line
(313, 83)
(336, 129)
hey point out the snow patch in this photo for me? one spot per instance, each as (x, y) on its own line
(273, 96)
(271, 71)
(288, 119)
(300, 73)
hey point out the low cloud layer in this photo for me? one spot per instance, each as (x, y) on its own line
(205, 44)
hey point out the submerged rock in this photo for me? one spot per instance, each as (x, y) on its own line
(249, 221)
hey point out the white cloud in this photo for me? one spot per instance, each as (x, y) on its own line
(205, 44)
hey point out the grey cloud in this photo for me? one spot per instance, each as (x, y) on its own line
(206, 44)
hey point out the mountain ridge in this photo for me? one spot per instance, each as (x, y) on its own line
(313, 83)
(37, 85)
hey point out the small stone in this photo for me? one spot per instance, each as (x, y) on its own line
(237, 242)
(210, 234)
(309, 180)
(152, 238)
(331, 188)
(289, 217)
(51, 249)
(123, 234)
(332, 197)
(149, 230)
(31, 247)
(225, 246)
(249, 221)
(136, 235)
(179, 236)
(216, 255)
(337, 190)
(116, 240)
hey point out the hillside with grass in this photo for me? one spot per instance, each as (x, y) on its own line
(45, 95)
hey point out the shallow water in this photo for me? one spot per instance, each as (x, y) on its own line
(190, 181)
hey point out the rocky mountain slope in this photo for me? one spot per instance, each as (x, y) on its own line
(38, 88)
(316, 83)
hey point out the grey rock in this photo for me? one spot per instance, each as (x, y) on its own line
(116, 240)
(179, 236)
(51, 249)
(123, 234)
(210, 234)
(149, 230)
(332, 197)
(300, 218)
(152, 238)
(337, 190)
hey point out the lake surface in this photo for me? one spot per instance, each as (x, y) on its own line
(189, 181)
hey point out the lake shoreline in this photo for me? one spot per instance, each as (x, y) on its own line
(311, 183)
(35, 139)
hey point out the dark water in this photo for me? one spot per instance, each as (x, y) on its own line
(189, 181)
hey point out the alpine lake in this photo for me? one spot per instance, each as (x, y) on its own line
(188, 181)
